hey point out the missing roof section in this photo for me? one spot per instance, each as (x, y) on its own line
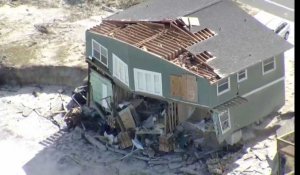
(167, 39)
(196, 64)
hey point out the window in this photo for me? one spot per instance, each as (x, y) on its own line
(147, 81)
(224, 119)
(100, 53)
(104, 95)
(268, 65)
(242, 75)
(223, 86)
(120, 70)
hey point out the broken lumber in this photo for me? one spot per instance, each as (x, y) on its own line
(125, 153)
(94, 142)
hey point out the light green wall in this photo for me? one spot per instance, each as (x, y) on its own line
(261, 103)
(255, 80)
(96, 86)
(136, 58)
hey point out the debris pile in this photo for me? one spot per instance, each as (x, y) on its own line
(258, 159)
(142, 128)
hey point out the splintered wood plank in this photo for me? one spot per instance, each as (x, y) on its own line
(127, 118)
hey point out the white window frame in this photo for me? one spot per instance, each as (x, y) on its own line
(243, 79)
(229, 122)
(116, 63)
(271, 70)
(224, 91)
(152, 76)
(100, 46)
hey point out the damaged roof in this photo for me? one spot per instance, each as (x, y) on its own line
(165, 39)
(227, 40)
(157, 10)
(241, 41)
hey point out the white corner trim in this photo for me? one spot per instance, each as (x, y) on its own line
(264, 86)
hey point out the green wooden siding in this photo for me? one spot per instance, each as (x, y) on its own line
(259, 104)
(255, 80)
(136, 58)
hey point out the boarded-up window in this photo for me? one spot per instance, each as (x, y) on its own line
(176, 87)
(147, 81)
(184, 86)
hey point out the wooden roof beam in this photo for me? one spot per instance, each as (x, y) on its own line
(208, 54)
(158, 48)
(183, 30)
(130, 36)
(203, 34)
(200, 58)
(209, 31)
(169, 42)
(179, 35)
(153, 25)
(203, 55)
(146, 30)
(142, 33)
(200, 36)
(124, 37)
(149, 49)
(153, 37)
(165, 44)
(112, 32)
(206, 33)
(169, 52)
(98, 31)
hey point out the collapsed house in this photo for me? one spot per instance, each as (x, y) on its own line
(161, 63)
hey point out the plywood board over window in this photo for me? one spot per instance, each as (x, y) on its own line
(185, 87)
(176, 88)
(190, 90)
